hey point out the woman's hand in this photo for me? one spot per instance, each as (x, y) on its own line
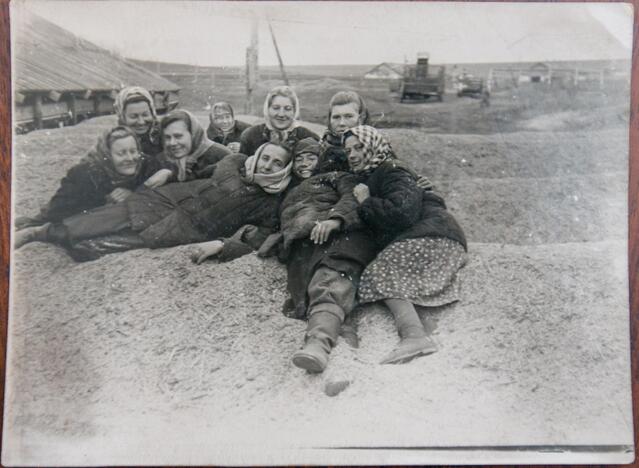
(322, 230)
(119, 195)
(424, 183)
(204, 250)
(159, 178)
(361, 192)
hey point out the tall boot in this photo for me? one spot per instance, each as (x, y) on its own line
(321, 336)
(414, 341)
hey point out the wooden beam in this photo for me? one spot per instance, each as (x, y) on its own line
(37, 111)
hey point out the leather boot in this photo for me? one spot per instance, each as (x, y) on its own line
(414, 341)
(321, 336)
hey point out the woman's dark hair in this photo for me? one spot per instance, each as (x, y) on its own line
(349, 97)
(118, 133)
(176, 116)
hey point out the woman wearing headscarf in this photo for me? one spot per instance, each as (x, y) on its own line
(347, 109)
(281, 126)
(242, 190)
(187, 148)
(423, 246)
(108, 174)
(224, 128)
(135, 108)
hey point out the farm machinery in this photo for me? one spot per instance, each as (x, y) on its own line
(422, 80)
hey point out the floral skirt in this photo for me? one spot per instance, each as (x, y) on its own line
(422, 271)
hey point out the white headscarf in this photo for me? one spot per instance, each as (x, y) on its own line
(270, 183)
(280, 136)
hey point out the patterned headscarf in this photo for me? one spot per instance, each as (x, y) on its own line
(200, 143)
(270, 183)
(376, 148)
(280, 136)
(137, 93)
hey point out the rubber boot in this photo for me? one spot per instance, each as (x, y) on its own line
(414, 341)
(321, 336)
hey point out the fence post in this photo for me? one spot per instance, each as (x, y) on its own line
(37, 110)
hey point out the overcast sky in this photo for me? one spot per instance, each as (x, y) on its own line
(314, 33)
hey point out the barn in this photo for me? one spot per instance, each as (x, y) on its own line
(61, 79)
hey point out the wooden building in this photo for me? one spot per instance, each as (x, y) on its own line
(61, 79)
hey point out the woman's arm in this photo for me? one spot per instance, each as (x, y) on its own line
(78, 191)
(247, 239)
(395, 206)
(158, 179)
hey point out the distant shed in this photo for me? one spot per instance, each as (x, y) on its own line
(62, 79)
(386, 71)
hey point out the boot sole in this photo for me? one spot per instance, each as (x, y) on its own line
(409, 356)
(308, 363)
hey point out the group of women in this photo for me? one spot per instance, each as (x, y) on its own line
(351, 221)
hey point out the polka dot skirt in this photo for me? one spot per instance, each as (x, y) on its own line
(422, 271)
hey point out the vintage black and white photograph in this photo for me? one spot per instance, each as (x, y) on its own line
(319, 233)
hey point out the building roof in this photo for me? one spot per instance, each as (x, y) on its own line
(48, 57)
(397, 68)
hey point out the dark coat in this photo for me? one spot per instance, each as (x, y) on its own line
(328, 196)
(254, 137)
(218, 136)
(150, 147)
(204, 209)
(398, 209)
(86, 186)
(203, 168)
(322, 197)
(332, 155)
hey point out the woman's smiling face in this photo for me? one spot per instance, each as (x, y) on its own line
(125, 155)
(223, 119)
(177, 139)
(304, 165)
(138, 117)
(281, 112)
(355, 153)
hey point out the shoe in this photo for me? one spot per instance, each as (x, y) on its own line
(313, 357)
(321, 335)
(409, 349)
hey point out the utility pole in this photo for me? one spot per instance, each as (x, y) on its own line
(251, 68)
(279, 57)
